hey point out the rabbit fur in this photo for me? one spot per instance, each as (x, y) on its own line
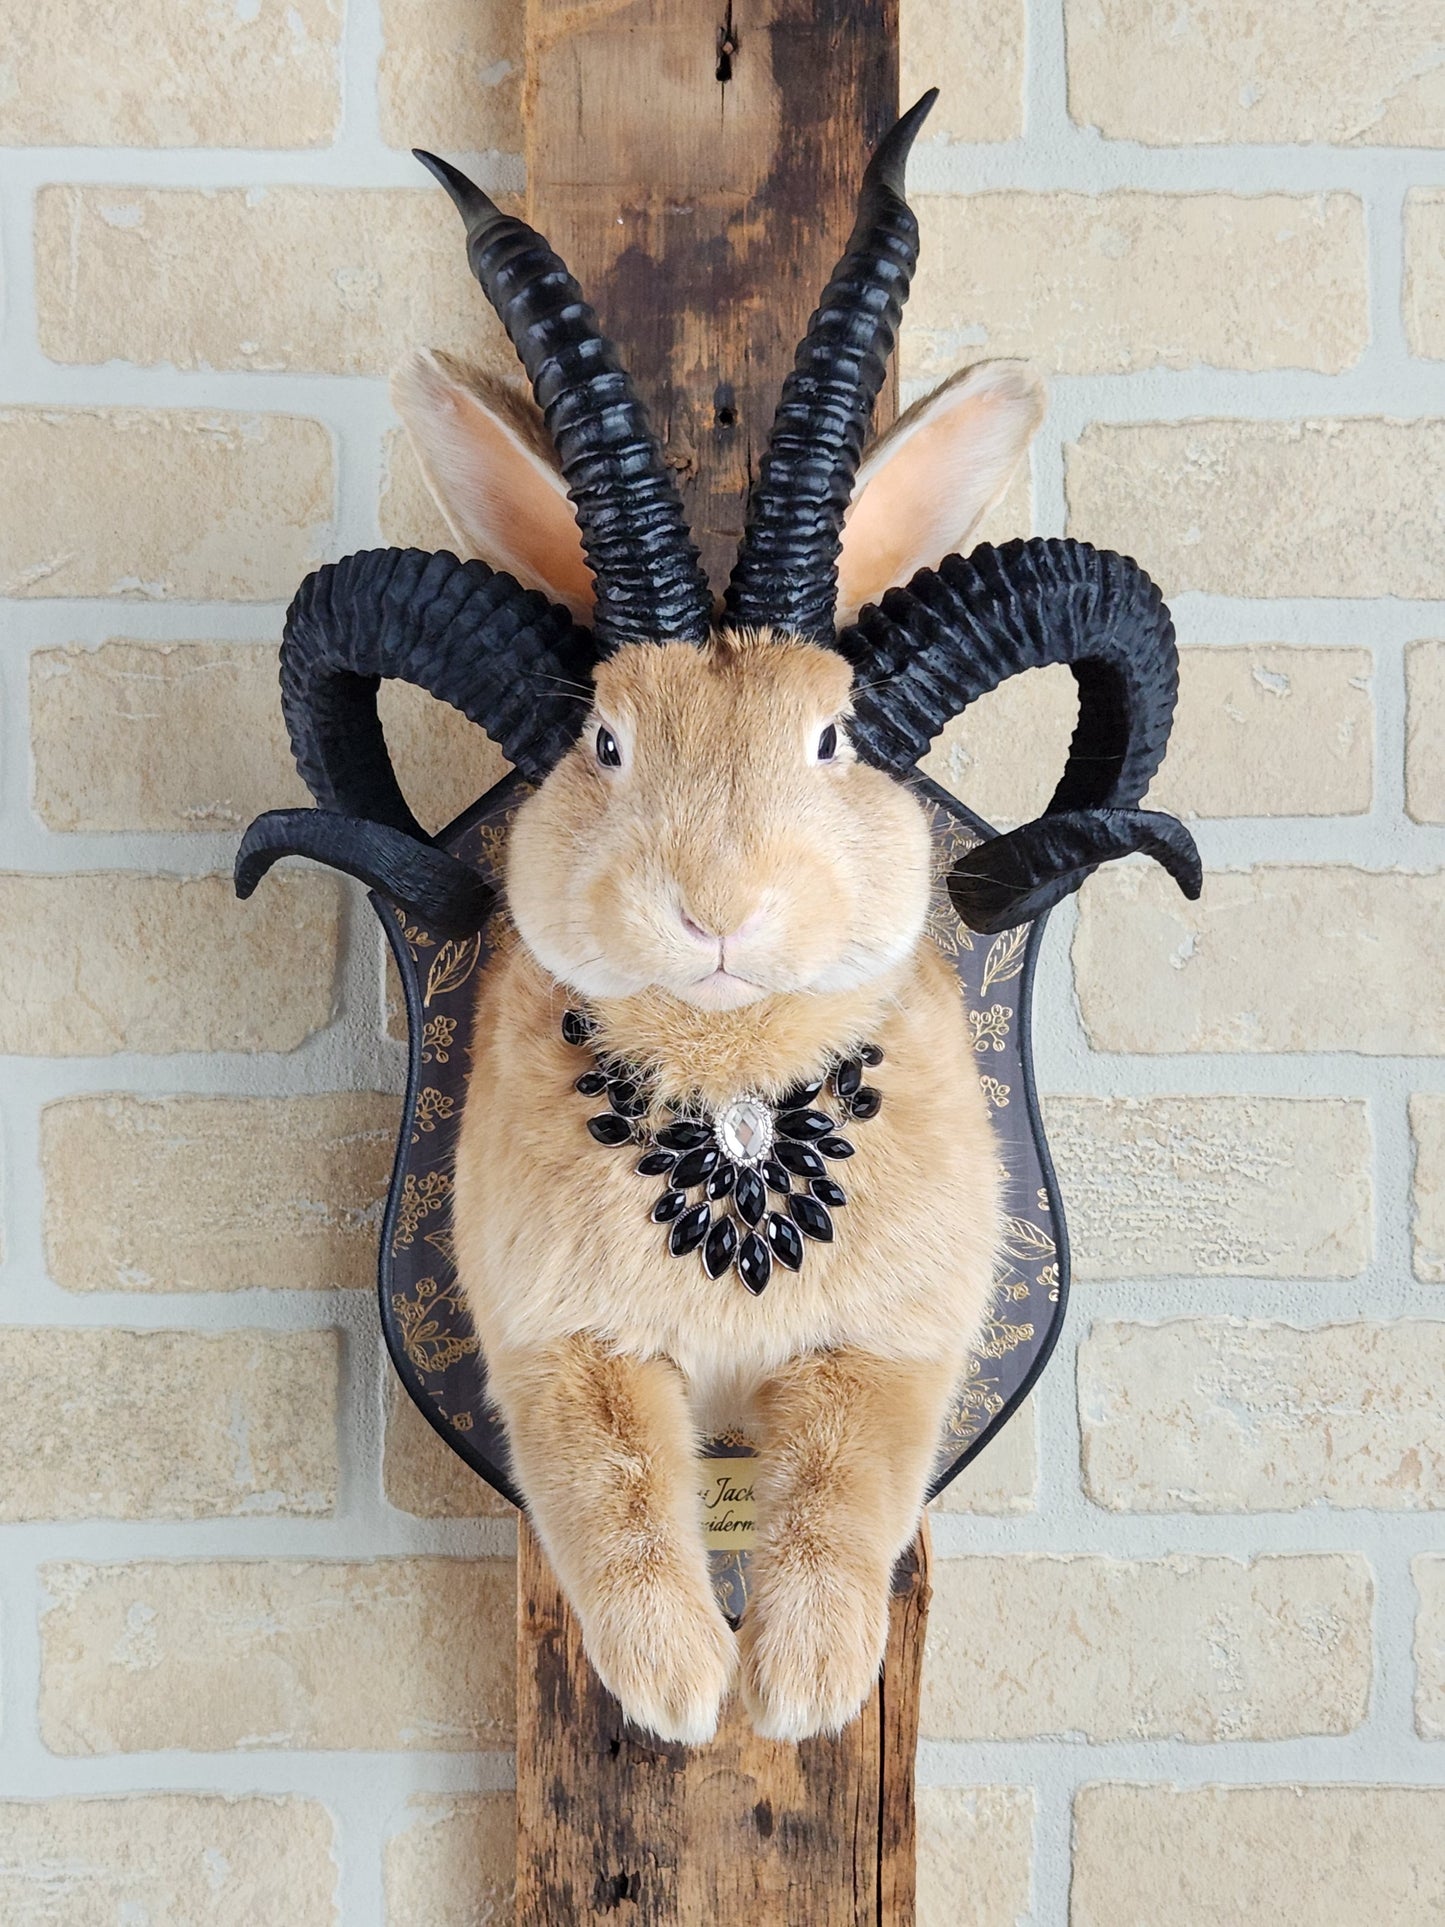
(736, 915)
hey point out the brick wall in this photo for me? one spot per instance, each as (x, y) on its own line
(1187, 1653)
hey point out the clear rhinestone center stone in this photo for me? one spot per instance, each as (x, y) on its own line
(744, 1129)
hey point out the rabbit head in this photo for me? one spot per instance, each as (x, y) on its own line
(719, 810)
(712, 831)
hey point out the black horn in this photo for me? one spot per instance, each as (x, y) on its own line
(650, 585)
(787, 569)
(955, 632)
(513, 662)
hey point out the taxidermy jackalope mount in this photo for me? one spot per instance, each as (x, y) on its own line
(725, 1163)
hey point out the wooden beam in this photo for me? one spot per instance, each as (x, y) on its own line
(696, 164)
(614, 1825)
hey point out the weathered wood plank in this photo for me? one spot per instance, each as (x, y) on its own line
(696, 164)
(614, 1824)
(702, 215)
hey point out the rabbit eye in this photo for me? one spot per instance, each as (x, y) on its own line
(828, 744)
(608, 754)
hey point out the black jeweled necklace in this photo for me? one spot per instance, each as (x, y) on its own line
(735, 1156)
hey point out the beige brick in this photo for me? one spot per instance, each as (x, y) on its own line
(1220, 1415)
(1106, 284)
(1311, 1856)
(102, 962)
(167, 1424)
(452, 1862)
(1268, 730)
(1429, 1577)
(1219, 505)
(162, 503)
(975, 1854)
(973, 52)
(153, 275)
(1004, 1477)
(443, 762)
(1278, 958)
(1425, 731)
(208, 1656)
(1261, 730)
(1299, 70)
(1200, 1649)
(158, 736)
(216, 1193)
(422, 1475)
(1214, 1187)
(188, 736)
(1427, 1127)
(101, 73)
(1424, 301)
(167, 1860)
(451, 74)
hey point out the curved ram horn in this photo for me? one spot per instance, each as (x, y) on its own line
(650, 585)
(955, 632)
(440, 891)
(787, 568)
(506, 657)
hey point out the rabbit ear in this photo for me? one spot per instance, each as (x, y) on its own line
(494, 480)
(925, 486)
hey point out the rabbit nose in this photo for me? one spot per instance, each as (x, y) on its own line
(701, 934)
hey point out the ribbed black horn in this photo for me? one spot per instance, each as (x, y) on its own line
(506, 657)
(957, 631)
(650, 585)
(787, 569)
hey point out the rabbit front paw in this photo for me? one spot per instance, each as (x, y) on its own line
(812, 1643)
(666, 1656)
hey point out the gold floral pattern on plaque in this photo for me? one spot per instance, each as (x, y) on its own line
(428, 1318)
(421, 1194)
(432, 1106)
(991, 1027)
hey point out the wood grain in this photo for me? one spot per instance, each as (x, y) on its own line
(696, 165)
(614, 1825)
(703, 215)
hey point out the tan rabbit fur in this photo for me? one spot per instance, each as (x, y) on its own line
(736, 914)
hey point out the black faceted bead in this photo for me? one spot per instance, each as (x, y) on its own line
(807, 1125)
(626, 1099)
(576, 1028)
(755, 1263)
(775, 1177)
(801, 1159)
(866, 1102)
(800, 1096)
(721, 1248)
(829, 1191)
(810, 1217)
(609, 1129)
(694, 1167)
(848, 1077)
(751, 1197)
(689, 1230)
(871, 1054)
(722, 1180)
(656, 1164)
(835, 1147)
(784, 1241)
(669, 1206)
(686, 1135)
(591, 1084)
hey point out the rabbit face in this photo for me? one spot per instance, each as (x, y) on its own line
(712, 834)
